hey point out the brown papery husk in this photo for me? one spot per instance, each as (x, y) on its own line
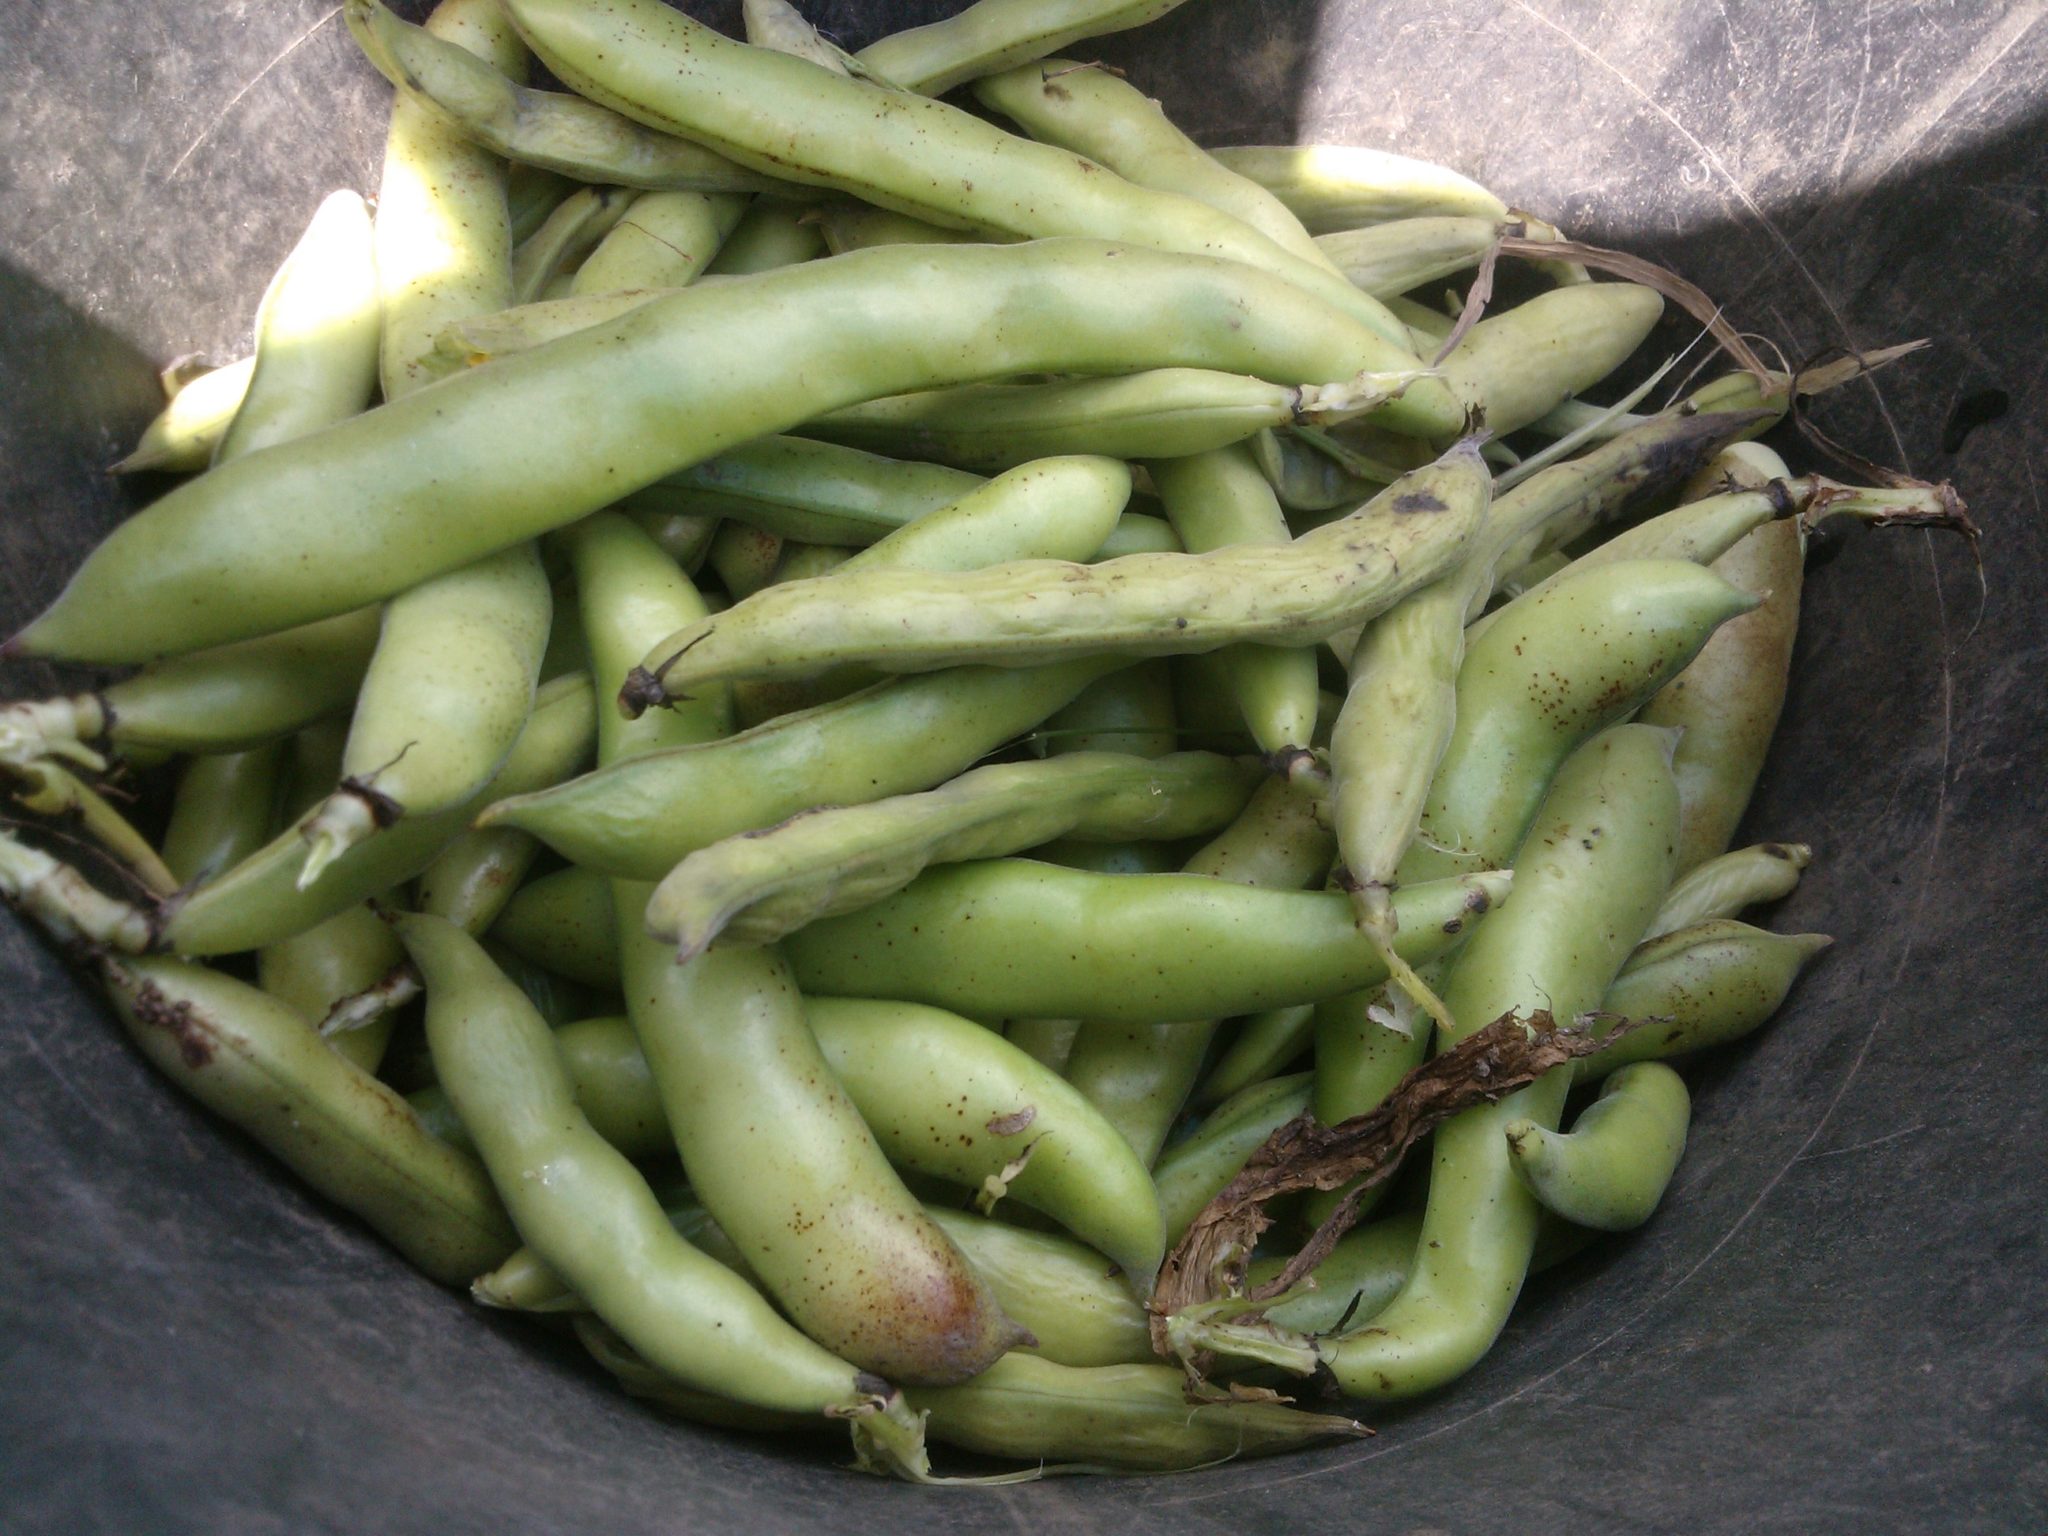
(1483, 1068)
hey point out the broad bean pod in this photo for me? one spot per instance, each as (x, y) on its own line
(1514, 366)
(558, 132)
(591, 1217)
(1026, 613)
(254, 1062)
(992, 35)
(1393, 258)
(1725, 886)
(948, 1098)
(1194, 1170)
(666, 240)
(1007, 938)
(544, 264)
(563, 922)
(1705, 985)
(914, 155)
(758, 886)
(1263, 1046)
(1164, 413)
(182, 436)
(1610, 1171)
(895, 738)
(428, 483)
(1338, 186)
(222, 811)
(472, 879)
(1588, 879)
(258, 902)
(1098, 114)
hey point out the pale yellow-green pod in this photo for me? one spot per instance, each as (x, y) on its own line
(1610, 1170)
(665, 240)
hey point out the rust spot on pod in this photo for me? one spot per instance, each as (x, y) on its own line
(1012, 1123)
(195, 1044)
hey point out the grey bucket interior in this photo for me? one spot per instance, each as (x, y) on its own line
(1838, 1321)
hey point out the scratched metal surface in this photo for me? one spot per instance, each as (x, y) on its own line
(1837, 1323)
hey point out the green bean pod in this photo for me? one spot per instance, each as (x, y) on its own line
(1729, 706)
(1725, 886)
(1279, 841)
(223, 811)
(1310, 481)
(557, 132)
(1363, 1273)
(1588, 879)
(1392, 258)
(1025, 613)
(916, 156)
(993, 35)
(1096, 113)
(182, 436)
(666, 240)
(472, 879)
(565, 238)
(1705, 985)
(1130, 712)
(443, 234)
(531, 193)
(1339, 186)
(1007, 938)
(1219, 500)
(473, 340)
(1163, 413)
(754, 888)
(948, 1098)
(337, 958)
(801, 489)
(591, 1217)
(647, 1384)
(773, 233)
(258, 902)
(1264, 1045)
(317, 333)
(857, 226)
(255, 1063)
(1516, 365)
(446, 696)
(1046, 1041)
(1543, 679)
(1123, 1417)
(1610, 1171)
(563, 922)
(375, 505)
(615, 1088)
(227, 699)
(895, 738)
(781, 1158)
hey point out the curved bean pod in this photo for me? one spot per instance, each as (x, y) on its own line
(755, 888)
(1725, 886)
(1588, 879)
(182, 436)
(254, 1062)
(774, 233)
(894, 738)
(445, 698)
(564, 922)
(949, 1098)
(591, 1217)
(1544, 678)
(1715, 982)
(995, 34)
(781, 1158)
(1263, 1046)
(1219, 500)
(558, 132)
(1392, 258)
(1339, 186)
(1007, 938)
(564, 239)
(375, 505)
(1097, 114)
(666, 240)
(317, 333)
(1516, 365)
(227, 699)
(915, 156)
(222, 812)
(472, 879)
(1046, 1041)
(1133, 1417)
(1610, 1171)
(1024, 613)
(258, 902)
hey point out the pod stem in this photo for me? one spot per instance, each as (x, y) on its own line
(73, 911)
(1360, 395)
(345, 818)
(33, 730)
(1236, 1326)
(398, 986)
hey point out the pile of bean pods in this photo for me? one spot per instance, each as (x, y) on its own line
(941, 705)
